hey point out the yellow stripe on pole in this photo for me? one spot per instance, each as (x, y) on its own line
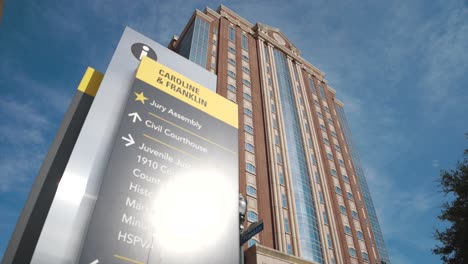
(90, 82)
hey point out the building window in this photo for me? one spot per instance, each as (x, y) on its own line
(232, 34)
(333, 133)
(352, 252)
(320, 196)
(281, 178)
(232, 74)
(354, 214)
(322, 92)
(245, 43)
(360, 235)
(250, 168)
(333, 172)
(251, 191)
(245, 69)
(267, 56)
(338, 190)
(277, 140)
(278, 159)
(342, 209)
(317, 179)
(365, 256)
(249, 147)
(232, 88)
(337, 148)
(312, 86)
(289, 249)
(330, 121)
(286, 225)
(306, 128)
(341, 162)
(320, 115)
(246, 82)
(323, 128)
(325, 218)
(284, 202)
(347, 230)
(231, 61)
(245, 58)
(232, 50)
(350, 195)
(252, 242)
(326, 141)
(248, 112)
(345, 179)
(252, 216)
(248, 129)
(329, 156)
(326, 109)
(273, 109)
(269, 81)
(310, 143)
(275, 123)
(329, 241)
(247, 97)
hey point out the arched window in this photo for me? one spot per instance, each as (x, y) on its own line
(248, 129)
(365, 256)
(252, 216)
(250, 168)
(338, 190)
(251, 191)
(249, 147)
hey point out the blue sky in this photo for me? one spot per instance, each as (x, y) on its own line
(400, 67)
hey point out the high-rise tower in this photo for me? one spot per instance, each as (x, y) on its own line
(299, 168)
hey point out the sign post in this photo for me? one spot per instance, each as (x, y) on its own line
(171, 178)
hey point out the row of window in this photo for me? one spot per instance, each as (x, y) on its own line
(352, 253)
(353, 213)
(244, 40)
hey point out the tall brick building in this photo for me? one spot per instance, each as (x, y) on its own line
(299, 169)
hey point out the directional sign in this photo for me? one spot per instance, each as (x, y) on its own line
(253, 229)
(129, 140)
(135, 117)
(177, 181)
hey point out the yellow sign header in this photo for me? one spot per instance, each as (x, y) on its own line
(188, 91)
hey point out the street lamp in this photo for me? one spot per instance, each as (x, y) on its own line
(242, 209)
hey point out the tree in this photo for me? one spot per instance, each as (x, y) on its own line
(454, 248)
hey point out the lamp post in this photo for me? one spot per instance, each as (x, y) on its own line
(242, 209)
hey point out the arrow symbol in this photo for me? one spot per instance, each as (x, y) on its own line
(129, 140)
(135, 116)
(96, 261)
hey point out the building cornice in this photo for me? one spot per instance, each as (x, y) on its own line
(305, 64)
(212, 12)
(338, 102)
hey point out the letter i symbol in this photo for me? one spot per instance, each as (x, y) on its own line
(144, 52)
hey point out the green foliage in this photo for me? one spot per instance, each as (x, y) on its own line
(454, 248)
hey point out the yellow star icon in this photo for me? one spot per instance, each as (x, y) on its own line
(140, 97)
